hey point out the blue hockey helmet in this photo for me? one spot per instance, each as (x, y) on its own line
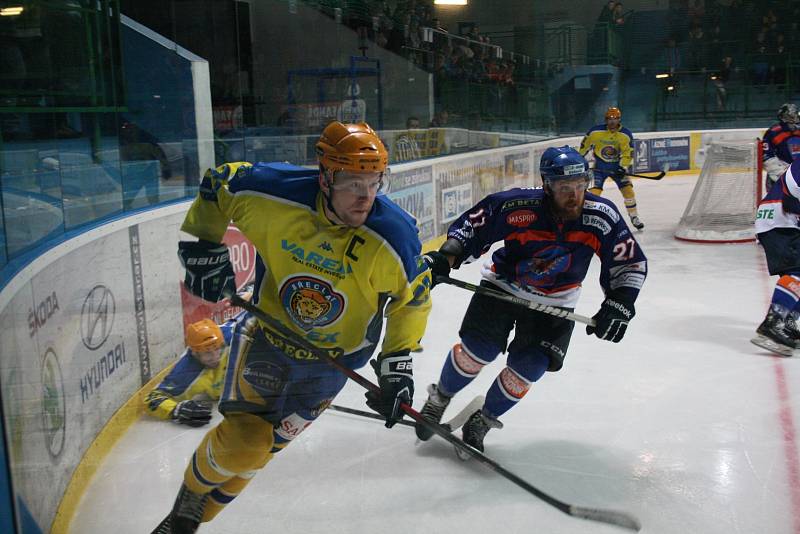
(563, 163)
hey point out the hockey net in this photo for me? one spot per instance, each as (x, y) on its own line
(722, 208)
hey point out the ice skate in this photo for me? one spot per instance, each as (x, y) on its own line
(475, 430)
(772, 335)
(432, 411)
(165, 527)
(187, 512)
(637, 222)
(791, 330)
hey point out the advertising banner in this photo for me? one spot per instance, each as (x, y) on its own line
(412, 190)
(651, 155)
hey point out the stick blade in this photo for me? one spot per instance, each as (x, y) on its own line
(612, 517)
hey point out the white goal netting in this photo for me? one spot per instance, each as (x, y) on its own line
(723, 204)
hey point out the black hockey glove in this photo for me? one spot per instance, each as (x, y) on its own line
(612, 319)
(438, 264)
(209, 274)
(396, 379)
(192, 413)
(619, 172)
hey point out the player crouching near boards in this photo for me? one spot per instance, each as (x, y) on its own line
(549, 236)
(200, 372)
(778, 230)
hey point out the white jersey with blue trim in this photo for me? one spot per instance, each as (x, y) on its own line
(780, 208)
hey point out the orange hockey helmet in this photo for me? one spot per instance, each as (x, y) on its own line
(351, 147)
(204, 335)
(613, 113)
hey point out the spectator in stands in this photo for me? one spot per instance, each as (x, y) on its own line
(607, 13)
(760, 64)
(619, 17)
(436, 25)
(440, 119)
(412, 122)
(778, 61)
(672, 56)
(720, 79)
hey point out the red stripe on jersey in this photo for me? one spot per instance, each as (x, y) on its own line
(781, 137)
(586, 238)
(532, 235)
(790, 283)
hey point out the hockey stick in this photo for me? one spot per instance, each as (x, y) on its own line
(647, 177)
(660, 175)
(611, 517)
(535, 306)
(456, 422)
(363, 413)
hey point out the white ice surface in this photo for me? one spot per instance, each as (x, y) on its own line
(685, 425)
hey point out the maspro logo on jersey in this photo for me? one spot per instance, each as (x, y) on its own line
(521, 218)
(311, 302)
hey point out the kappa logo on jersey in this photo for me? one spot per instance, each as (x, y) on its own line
(326, 246)
(521, 218)
(609, 153)
(311, 303)
(541, 270)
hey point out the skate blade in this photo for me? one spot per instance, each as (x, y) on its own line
(766, 343)
(418, 441)
(462, 454)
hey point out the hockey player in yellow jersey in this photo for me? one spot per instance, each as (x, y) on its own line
(199, 372)
(612, 146)
(334, 259)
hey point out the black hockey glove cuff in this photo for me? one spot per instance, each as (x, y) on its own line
(438, 264)
(612, 320)
(396, 380)
(209, 273)
(192, 413)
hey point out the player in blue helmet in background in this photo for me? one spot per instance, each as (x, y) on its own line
(550, 236)
(781, 143)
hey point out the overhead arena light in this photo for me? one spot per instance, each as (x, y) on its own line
(11, 11)
(450, 2)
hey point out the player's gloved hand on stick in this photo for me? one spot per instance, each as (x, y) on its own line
(612, 319)
(209, 273)
(438, 264)
(192, 413)
(620, 171)
(396, 380)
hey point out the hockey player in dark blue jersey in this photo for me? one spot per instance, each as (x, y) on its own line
(550, 236)
(778, 230)
(781, 143)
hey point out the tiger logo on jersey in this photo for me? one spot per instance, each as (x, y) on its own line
(311, 302)
(609, 153)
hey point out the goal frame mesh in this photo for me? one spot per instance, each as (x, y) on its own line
(692, 230)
